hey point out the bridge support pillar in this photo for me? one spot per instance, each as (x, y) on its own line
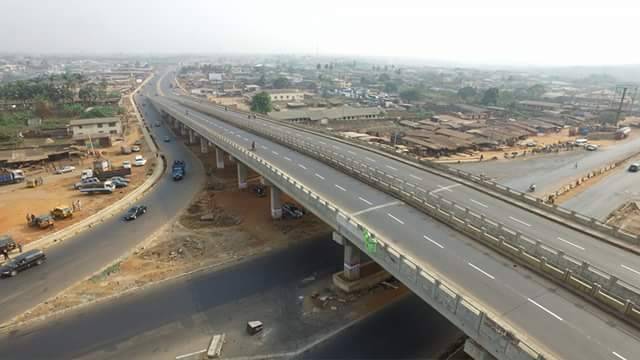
(232, 159)
(183, 129)
(242, 175)
(204, 145)
(192, 136)
(219, 158)
(352, 261)
(276, 203)
(477, 352)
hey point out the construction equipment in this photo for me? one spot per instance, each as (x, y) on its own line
(61, 212)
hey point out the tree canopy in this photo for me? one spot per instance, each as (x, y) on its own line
(390, 87)
(490, 96)
(281, 83)
(412, 94)
(467, 92)
(261, 103)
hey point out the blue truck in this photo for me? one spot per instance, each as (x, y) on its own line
(178, 170)
(11, 176)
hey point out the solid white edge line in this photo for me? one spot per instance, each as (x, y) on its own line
(365, 200)
(545, 309)
(396, 219)
(520, 221)
(479, 203)
(482, 271)
(340, 187)
(630, 269)
(433, 241)
(570, 243)
(618, 355)
(190, 354)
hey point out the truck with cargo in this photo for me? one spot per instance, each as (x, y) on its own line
(108, 174)
(178, 170)
(11, 177)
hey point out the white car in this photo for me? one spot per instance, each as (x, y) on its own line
(592, 147)
(65, 169)
(135, 148)
(126, 164)
(139, 161)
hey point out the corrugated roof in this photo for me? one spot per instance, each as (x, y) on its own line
(93, 121)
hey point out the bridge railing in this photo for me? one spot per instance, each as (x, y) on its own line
(479, 323)
(585, 279)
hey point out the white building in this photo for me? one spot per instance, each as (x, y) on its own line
(91, 127)
(289, 95)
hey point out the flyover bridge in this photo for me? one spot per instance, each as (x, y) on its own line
(510, 311)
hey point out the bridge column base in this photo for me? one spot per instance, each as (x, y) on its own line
(219, 158)
(183, 129)
(242, 175)
(204, 146)
(192, 136)
(276, 203)
(477, 352)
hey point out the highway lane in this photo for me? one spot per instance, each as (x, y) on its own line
(155, 322)
(551, 171)
(80, 256)
(520, 296)
(607, 194)
(611, 259)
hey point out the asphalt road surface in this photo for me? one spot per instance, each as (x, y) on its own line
(79, 257)
(545, 312)
(550, 171)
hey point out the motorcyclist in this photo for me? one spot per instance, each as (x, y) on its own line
(253, 146)
(532, 187)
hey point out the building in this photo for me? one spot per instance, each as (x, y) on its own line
(288, 95)
(83, 128)
(470, 112)
(539, 105)
(343, 113)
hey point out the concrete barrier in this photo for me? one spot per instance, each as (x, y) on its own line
(214, 351)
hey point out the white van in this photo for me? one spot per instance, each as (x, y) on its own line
(581, 142)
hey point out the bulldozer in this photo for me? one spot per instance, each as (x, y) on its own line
(61, 212)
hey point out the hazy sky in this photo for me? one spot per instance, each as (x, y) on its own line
(537, 32)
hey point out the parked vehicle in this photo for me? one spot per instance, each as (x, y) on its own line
(86, 182)
(35, 182)
(22, 262)
(86, 173)
(126, 164)
(11, 176)
(65, 169)
(61, 212)
(291, 211)
(119, 178)
(139, 161)
(178, 170)
(106, 175)
(8, 244)
(634, 167)
(135, 148)
(254, 327)
(592, 147)
(125, 150)
(167, 139)
(42, 221)
(581, 142)
(106, 187)
(120, 184)
(260, 190)
(134, 212)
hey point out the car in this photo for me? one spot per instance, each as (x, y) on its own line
(591, 147)
(119, 178)
(167, 139)
(135, 148)
(8, 244)
(634, 167)
(134, 212)
(126, 164)
(139, 161)
(291, 211)
(119, 184)
(22, 262)
(85, 182)
(65, 169)
(157, 124)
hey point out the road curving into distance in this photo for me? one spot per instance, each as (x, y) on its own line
(80, 256)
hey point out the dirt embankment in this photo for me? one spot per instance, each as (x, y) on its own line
(626, 217)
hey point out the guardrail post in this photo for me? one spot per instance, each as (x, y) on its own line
(595, 290)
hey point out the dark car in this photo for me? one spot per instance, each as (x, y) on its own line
(289, 210)
(134, 212)
(22, 262)
(167, 139)
(8, 244)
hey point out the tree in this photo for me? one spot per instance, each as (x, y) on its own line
(43, 108)
(384, 78)
(281, 83)
(467, 92)
(410, 95)
(390, 87)
(261, 103)
(536, 91)
(319, 67)
(490, 96)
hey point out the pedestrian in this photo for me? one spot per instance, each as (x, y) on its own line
(73, 205)
(5, 254)
(79, 205)
(28, 218)
(20, 247)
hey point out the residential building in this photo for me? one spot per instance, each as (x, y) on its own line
(287, 95)
(539, 105)
(343, 113)
(92, 127)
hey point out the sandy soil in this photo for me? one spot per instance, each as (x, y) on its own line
(17, 200)
(626, 217)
